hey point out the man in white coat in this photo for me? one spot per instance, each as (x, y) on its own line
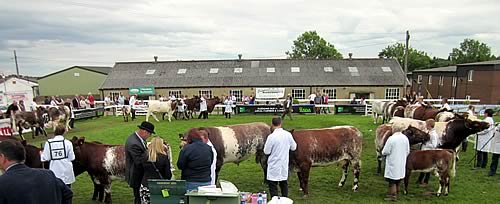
(277, 147)
(132, 101)
(214, 163)
(59, 152)
(492, 141)
(484, 141)
(396, 150)
(203, 108)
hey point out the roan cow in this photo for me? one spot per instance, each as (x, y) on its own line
(440, 161)
(103, 163)
(29, 120)
(378, 110)
(394, 108)
(233, 143)
(325, 146)
(384, 131)
(125, 112)
(160, 107)
(58, 115)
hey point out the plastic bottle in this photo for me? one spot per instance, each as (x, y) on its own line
(181, 201)
(260, 200)
(243, 199)
(264, 197)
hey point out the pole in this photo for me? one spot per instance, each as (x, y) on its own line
(17, 66)
(406, 60)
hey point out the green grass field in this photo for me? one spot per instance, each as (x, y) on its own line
(468, 186)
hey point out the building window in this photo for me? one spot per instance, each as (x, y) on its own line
(295, 69)
(454, 82)
(419, 79)
(207, 93)
(469, 75)
(181, 71)
(299, 93)
(441, 79)
(270, 70)
(237, 94)
(331, 93)
(176, 93)
(392, 93)
(386, 69)
(467, 97)
(328, 69)
(430, 79)
(150, 71)
(238, 70)
(440, 97)
(76, 74)
(214, 70)
(354, 71)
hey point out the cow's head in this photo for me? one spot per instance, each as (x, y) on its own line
(416, 135)
(187, 138)
(77, 146)
(476, 125)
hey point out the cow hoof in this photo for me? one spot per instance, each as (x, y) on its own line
(301, 190)
(305, 196)
(438, 194)
(341, 184)
(446, 194)
(355, 188)
(405, 192)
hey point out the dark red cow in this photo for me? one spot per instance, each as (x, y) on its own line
(32, 153)
(420, 112)
(324, 146)
(212, 102)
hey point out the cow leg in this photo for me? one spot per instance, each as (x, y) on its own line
(345, 167)
(107, 191)
(441, 184)
(304, 182)
(379, 164)
(447, 185)
(169, 115)
(21, 133)
(356, 168)
(407, 180)
(33, 130)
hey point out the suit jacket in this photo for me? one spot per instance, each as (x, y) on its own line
(135, 155)
(21, 184)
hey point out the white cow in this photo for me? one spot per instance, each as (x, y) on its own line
(378, 110)
(159, 107)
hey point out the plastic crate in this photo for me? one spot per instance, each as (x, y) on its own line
(176, 191)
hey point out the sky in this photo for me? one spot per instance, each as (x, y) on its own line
(50, 35)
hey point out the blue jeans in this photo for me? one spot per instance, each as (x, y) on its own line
(194, 185)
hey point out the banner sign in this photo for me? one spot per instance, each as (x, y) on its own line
(146, 90)
(270, 92)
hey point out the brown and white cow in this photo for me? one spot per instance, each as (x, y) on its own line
(325, 146)
(420, 112)
(125, 112)
(103, 163)
(440, 161)
(445, 116)
(450, 134)
(394, 108)
(58, 115)
(384, 131)
(32, 153)
(29, 120)
(234, 143)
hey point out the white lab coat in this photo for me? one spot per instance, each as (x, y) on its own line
(495, 142)
(228, 108)
(214, 162)
(433, 141)
(203, 104)
(278, 145)
(33, 106)
(60, 154)
(485, 135)
(132, 101)
(396, 150)
(445, 106)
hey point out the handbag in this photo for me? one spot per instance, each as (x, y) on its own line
(157, 171)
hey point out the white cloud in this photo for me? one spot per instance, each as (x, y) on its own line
(51, 35)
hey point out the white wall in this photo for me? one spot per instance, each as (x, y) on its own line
(16, 89)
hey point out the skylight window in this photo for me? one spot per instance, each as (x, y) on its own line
(328, 69)
(214, 70)
(181, 71)
(150, 71)
(354, 71)
(255, 64)
(295, 69)
(238, 70)
(386, 69)
(270, 70)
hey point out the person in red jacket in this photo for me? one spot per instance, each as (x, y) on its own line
(91, 100)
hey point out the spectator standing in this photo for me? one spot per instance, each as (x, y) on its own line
(288, 108)
(362, 101)
(471, 110)
(157, 166)
(317, 101)
(195, 160)
(133, 102)
(353, 101)
(278, 146)
(83, 103)
(325, 101)
(21, 184)
(121, 99)
(34, 105)
(446, 106)
(251, 100)
(53, 101)
(107, 100)
(46, 101)
(483, 142)
(22, 108)
(91, 100)
(12, 109)
(59, 152)
(311, 98)
(396, 150)
(135, 156)
(76, 102)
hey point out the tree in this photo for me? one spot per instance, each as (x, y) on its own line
(440, 62)
(471, 50)
(416, 59)
(310, 45)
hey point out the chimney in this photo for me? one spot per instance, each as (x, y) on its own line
(156, 59)
(239, 57)
(350, 55)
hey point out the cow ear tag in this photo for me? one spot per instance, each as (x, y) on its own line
(165, 193)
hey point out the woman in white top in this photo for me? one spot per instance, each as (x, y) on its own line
(423, 179)
(59, 152)
(228, 107)
(471, 110)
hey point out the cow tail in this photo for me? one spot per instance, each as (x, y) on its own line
(452, 169)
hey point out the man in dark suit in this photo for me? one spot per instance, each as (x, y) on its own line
(136, 154)
(21, 184)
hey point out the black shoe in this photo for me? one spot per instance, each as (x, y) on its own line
(491, 174)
